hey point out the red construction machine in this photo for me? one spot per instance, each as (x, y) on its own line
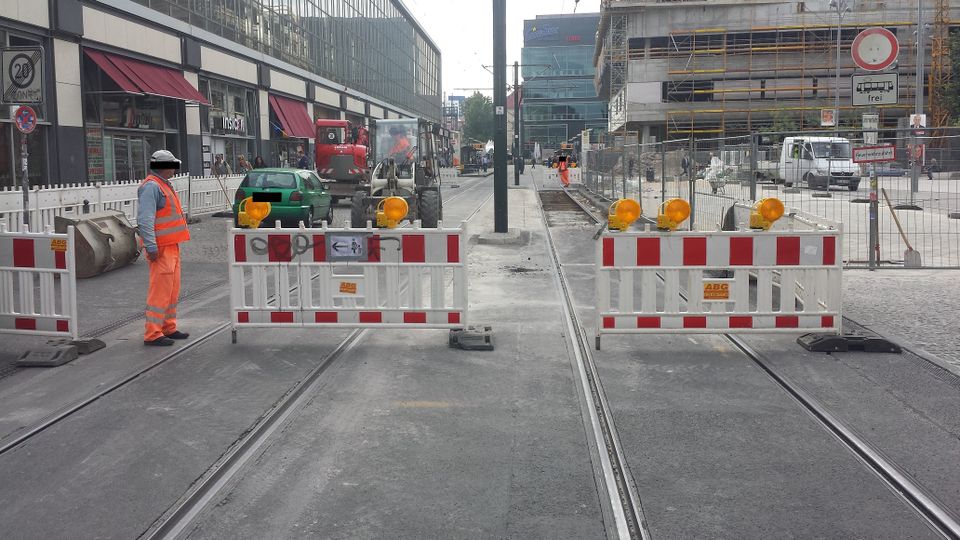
(341, 156)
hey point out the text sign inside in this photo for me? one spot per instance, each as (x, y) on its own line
(873, 154)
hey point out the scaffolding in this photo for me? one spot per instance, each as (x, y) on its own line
(940, 74)
(740, 81)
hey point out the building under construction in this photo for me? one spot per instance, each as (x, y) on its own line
(707, 68)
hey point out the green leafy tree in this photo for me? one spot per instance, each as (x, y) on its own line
(951, 93)
(783, 122)
(478, 117)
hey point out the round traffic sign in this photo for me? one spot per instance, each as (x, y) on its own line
(875, 49)
(26, 119)
(21, 71)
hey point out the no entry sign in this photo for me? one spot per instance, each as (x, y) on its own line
(875, 49)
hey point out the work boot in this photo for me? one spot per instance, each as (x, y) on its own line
(162, 341)
(178, 335)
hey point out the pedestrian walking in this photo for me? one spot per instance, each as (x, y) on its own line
(162, 226)
(243, 166)
(564, 171)
(302, 161)
(259, 163)
(221, 167)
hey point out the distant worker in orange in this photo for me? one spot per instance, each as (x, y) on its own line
(162, 226)
(563, 170)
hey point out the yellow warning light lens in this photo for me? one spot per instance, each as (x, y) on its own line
(622, 213)
(673, 212)
(251, 213)
(765, 213)
(391, 211)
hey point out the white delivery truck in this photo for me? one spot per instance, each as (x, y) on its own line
(814, 162)
(818, 163)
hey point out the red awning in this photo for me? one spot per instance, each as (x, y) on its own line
(293, 117)
(140, 77)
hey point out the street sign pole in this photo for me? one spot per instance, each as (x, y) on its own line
(25, 179)
(874, 248)
(918, 105)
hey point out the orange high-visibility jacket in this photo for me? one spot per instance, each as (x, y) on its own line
(170, 226)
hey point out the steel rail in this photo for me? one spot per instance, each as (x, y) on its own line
(179, 517)
(203, 491)
(900, 482)
(915, 496)
(65, 412)
(624, 500)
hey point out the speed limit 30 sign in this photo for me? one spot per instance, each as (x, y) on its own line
(21, 77)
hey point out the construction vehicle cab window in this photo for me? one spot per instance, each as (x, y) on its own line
(404, 165)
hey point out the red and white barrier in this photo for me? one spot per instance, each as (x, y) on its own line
(700, 282)
(38, 283)
(343, 277)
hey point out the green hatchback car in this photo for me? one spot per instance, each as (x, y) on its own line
(294, 195)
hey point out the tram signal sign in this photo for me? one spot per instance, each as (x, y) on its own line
(875, 89)
(21, 75)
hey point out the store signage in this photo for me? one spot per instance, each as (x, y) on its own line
(877, 89)
(541, 31)
(22, 75)
(235, 124)
(872, 154)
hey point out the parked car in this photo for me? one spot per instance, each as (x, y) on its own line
(294, 195)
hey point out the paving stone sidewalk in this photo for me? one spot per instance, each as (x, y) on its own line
(917, 307)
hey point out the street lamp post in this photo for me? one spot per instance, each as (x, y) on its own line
(842, 7)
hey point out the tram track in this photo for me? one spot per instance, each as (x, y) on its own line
(59, 415)
(915, 496)
(179, 517)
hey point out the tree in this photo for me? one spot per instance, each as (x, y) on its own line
(951, 93)
(783, 122)
(478, 117)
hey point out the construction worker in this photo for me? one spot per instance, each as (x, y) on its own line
(564, 173)
(162, 226)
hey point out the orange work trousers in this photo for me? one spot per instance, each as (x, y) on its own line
(163, 294)
(565, 178)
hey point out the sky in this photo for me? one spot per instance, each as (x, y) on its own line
(463, 30)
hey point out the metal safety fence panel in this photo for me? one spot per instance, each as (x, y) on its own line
(38, 283)
(718, 282)
(349, 278)
(199, 195)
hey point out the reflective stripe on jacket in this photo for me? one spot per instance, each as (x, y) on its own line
(170, 225)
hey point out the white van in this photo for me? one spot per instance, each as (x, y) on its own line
(818, 163)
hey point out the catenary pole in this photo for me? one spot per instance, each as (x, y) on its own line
(500, 116)
(517, 153)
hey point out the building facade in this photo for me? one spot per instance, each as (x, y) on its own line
(123, 78)
(559, 99)
(734, 67)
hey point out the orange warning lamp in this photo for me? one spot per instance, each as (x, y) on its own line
(250, 213)
(391, 211)
(672, 213)
(765, 212)
(622, 213)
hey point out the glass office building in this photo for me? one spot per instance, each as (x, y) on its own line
(374, 46)
(559, 99)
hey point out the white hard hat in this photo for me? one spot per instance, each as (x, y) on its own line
(164, 159)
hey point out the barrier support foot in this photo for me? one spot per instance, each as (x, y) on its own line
(847, 342)
(84, 346)
(472, 338)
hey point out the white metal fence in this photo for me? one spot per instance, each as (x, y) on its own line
(38, 283)
(199, 195)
